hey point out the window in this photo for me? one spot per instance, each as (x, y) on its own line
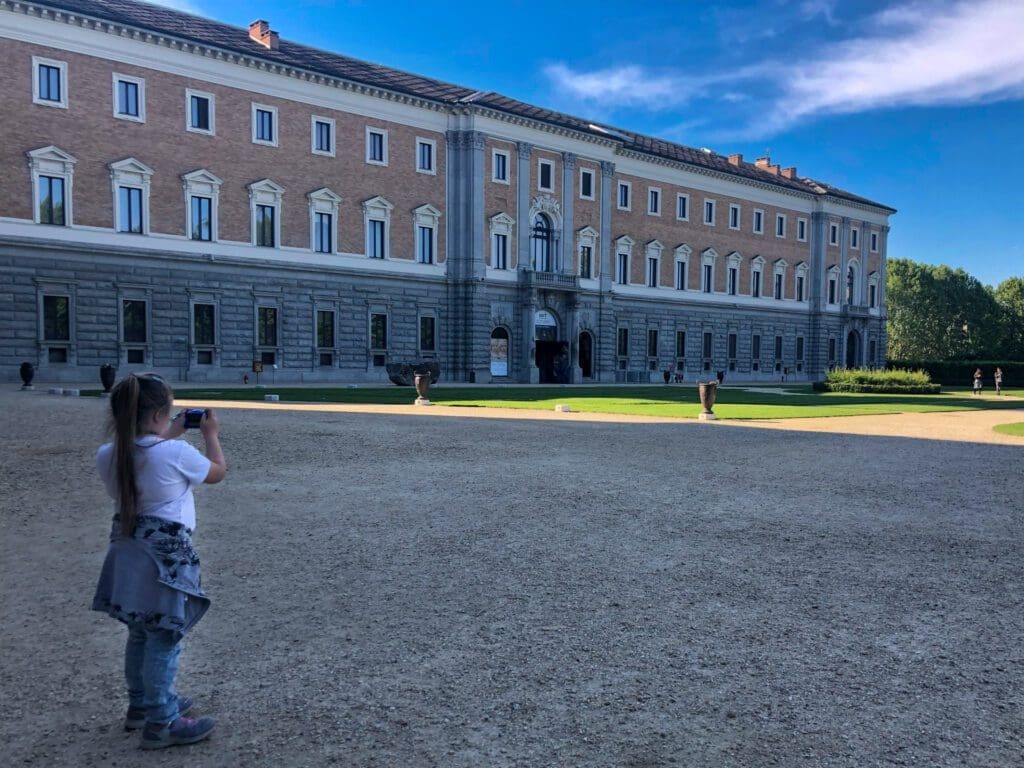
(854, 238)
(129, 216)
(586, 261)
(325, 329)
(709, 212)
(778, 285)
(800, 280)
(832, 281)
(799, 348)
(266, 331)
(625, 189)
(833, 234)
(425, 151)
(779, 274)
(201, 218)
(872, 352)
(499, 254)
(425, 220)
(49, 82)
(680, 345)
(755, 283)
(57, 319)
(872, 295)
(264, 125)
(376, 247)
(755, 347)
(199, 112)
(129, 98)
(202, 194)
(323, 136)
(801, 230)
(323, 233)
(831, 350)
(266, 217)
(732, 342)
(376, 146)
(545, 176)
(135, 328)
(708, 282)
(622, 342)
(780, 225)
(425, 245)
(501, 233)
(131, 181)
(778, 347)
(52, 174)
(734, 278)
(652, 342)
(50, 196)
(586, 184)
(377, 225)
(758, 221)
(654, 201)
(542, 240)
(681, 269)
(707, 345)
(734, 216)
(622, 269)
(874, 242)
(652, 271)
(204, 325)
(378, 333)
(683, 207)
(499, 166)
(428, 333)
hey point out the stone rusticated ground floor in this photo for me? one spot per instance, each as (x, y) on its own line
(480, 331)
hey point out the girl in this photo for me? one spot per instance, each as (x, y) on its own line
(150, 578)
(977, 381)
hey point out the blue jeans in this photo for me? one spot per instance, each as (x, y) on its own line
(150, 665)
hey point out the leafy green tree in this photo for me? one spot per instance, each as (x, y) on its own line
(1010, 295)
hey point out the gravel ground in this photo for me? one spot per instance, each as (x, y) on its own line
(399, 591)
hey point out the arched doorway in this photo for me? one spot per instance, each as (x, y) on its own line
(551, 356)
(586, 347)
(852, 349)
(499, 352)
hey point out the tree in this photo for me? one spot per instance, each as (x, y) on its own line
(936, 313)
(1010, 295)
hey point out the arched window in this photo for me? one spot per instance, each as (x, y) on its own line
(541, 243)
(499, 352)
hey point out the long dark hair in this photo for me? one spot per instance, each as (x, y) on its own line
(132, 400)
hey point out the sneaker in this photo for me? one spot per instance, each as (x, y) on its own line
(135, 718)
(180, 731)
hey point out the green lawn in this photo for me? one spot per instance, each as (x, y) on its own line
(676, 401)
(1011, 429)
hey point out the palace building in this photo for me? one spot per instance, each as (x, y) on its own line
(190, 197)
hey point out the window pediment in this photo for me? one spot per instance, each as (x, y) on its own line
(683, 250)
(377, 204)
(50, 159)
(130, 167)
(709, 254)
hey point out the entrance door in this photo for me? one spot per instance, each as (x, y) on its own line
(852, 349)
(586, 345)
(552, 359)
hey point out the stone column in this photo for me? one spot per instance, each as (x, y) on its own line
(604, 336)
(523, 223)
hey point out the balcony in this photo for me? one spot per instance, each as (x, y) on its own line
(558, 281)
(856, 310)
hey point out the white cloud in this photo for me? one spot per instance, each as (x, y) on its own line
(914, 54)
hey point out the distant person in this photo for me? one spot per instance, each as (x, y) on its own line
(998, 377)
(977, 381)
(150, 578)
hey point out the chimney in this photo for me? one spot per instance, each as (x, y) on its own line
(736, 159)
(259, 31)
(763, 162)
(789, 173)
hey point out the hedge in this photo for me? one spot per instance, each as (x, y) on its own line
(879, 389)
(894, 382)
(960, 373)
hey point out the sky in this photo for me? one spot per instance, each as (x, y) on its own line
(917, 104)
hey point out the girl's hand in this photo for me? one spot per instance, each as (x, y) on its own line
(209, 426)
(175, 427)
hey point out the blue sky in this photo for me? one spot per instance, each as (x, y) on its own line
(918, 104)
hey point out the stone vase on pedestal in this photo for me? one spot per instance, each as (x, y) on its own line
(422, 382)
(107, 375)
(27, 371)
(708, 390)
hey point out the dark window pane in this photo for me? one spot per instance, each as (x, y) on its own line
(56, 319)
(127, 98)
(264, 125)
(202, 218)
(57, 354)
(203, 316)
(267, 336)
(427, 334)
(136, 356)
(324, 328)
(200, 113)
(323, 234)
(265, 225)
(378, 331)
(135, 322)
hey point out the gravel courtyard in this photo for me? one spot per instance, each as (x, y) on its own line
(401, 591)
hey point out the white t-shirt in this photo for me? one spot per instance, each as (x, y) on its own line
(165, 473)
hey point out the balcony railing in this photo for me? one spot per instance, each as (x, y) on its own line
(552, 280)
(857, 310)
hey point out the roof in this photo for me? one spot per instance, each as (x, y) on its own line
(197, 29)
